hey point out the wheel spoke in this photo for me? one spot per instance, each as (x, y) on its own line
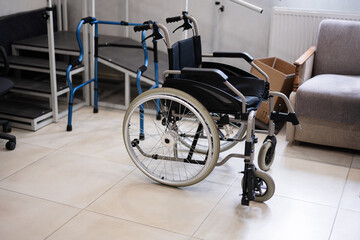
(161, 154)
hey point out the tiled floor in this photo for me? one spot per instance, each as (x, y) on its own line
(83, 185)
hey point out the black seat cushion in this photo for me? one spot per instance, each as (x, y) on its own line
(217, 97)
(5, 85)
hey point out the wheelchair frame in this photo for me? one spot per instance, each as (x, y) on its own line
(253, 179)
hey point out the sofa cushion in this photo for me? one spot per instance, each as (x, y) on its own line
(338, 48)
(330, 97)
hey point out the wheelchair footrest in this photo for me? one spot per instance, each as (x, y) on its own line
(284, 117)
(248, 184)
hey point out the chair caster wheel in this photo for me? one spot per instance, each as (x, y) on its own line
(10, 145)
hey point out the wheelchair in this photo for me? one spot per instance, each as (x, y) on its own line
(174, 133)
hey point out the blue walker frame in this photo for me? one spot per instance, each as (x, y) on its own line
(140, 71)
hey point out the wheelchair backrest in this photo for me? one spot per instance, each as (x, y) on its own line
(185, 53)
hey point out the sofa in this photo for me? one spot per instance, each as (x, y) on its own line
(326, 93)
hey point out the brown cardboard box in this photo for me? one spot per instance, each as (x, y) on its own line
(281, 75)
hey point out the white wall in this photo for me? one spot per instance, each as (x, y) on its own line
(109, 10)
(241, 29)
(235, 29)
(156, 10)
(322, 5)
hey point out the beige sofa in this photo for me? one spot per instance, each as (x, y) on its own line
(326, 91)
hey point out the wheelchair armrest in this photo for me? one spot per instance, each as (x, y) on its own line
(216, 73)
(247, 57)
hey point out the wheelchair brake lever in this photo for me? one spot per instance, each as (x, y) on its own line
(177, 28)
(156, 35)
(187, 25)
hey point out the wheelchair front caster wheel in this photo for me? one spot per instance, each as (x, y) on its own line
(10, 145)
(266, 155)
(264, 186)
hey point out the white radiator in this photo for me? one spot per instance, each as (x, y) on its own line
(293, 31)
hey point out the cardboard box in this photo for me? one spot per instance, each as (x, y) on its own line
(281, 75)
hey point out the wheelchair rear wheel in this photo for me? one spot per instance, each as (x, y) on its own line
(154, 145)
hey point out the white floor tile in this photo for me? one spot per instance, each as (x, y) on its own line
(93, 226)
(230, 171)
(24, 217)
(23, 155)
(351, 196)
(104, 144)
(346, 226)
(309, 180)
(180, 210)
(91, 166)
(52, 136)
(67, 178)
(356, 161)
(334, 156)
(278, 218)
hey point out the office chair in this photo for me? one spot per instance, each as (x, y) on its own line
(5, 85)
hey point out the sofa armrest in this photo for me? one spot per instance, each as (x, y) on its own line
(304, 67)
(290, 129)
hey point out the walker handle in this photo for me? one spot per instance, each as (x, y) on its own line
(173, 19)
(142, 27)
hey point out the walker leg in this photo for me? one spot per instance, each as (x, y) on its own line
(69, 126)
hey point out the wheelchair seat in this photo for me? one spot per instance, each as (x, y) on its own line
(213, 94)
(216, 97)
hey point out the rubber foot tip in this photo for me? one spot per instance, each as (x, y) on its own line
(142, 137)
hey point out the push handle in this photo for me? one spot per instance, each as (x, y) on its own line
(189, 22)
(173, 19)
(142, 27)
(156, 35)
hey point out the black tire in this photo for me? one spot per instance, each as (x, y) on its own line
(10, 145)
(265, 157)
(263, 182)
(159, 153)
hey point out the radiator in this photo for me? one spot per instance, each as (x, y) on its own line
(292, 31)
